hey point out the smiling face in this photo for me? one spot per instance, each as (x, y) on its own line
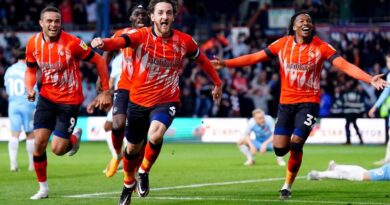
(138, 18)
(162, 18)
(50, 23)
(303, 26)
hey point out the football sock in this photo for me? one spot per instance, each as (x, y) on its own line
(40, 165)
(72, 141)
(245, 150)
(13, 146)
(294, 164)
(130, 162)
(111, 146)
(151, 153)
(387, 156)
(117, 140)
(43, 186)
(30, 145)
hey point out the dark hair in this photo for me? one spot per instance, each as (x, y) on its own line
(136, 6)
(292, 20)
(21, 53)
(152, 5)
(49, 9)
(388, 55)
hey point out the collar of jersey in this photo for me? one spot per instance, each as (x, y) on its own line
(58, 37)
(310, 40)
(154, 33)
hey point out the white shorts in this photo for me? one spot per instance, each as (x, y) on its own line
(109, 115)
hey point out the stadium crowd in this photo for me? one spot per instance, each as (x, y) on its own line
(244, 89)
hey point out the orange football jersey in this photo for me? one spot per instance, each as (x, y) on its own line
(59, 64)
(157, 65)
(300, 68)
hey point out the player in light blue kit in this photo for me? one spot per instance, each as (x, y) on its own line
(116, 70)
(351, 172)
(382, 98)
(262, 126)
(20, 111)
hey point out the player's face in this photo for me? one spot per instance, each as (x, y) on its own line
(138, 18)
(162, 18)
(51, 24)
(259, 118)
(303, 26)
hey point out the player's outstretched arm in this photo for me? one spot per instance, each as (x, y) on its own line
(359, 74)
(104, 99)
(109, 44)
(241, 61)
(208, 68)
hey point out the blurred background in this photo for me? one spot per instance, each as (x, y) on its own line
(359, 30)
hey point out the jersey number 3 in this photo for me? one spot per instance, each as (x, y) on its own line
(310, 120)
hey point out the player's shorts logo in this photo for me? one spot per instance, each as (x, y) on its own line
(115, 109)
(172, 111)
(379, 172)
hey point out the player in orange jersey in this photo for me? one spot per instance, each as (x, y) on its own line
(57, 54)
(138, 18)
(154, 99)
(301, 55)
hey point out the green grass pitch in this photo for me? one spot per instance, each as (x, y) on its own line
(196, 174)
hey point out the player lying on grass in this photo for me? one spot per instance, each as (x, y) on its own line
(351, 172)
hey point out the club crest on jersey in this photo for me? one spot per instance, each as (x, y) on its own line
(83, 45)
(36, 53)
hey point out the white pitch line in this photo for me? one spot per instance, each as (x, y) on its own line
(182, 187)
(101, 194)
(263, 200)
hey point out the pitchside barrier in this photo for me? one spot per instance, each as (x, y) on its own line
(229, 130)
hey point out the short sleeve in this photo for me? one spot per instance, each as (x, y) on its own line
(135, 36)
(273, 49)
(251, 124)
(270, 122)
(328, 51)
(30, 47)
(80, 50)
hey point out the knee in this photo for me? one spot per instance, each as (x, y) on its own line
(133, 149)
(118, 123)
(280, 152)
(296, 147)
(40, 147)
(57, 150)
(156, 138)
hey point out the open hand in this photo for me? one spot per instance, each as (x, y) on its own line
(378, 82)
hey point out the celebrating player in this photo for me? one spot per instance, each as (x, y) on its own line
(301, 56)
(57, 54)
(154, 97)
